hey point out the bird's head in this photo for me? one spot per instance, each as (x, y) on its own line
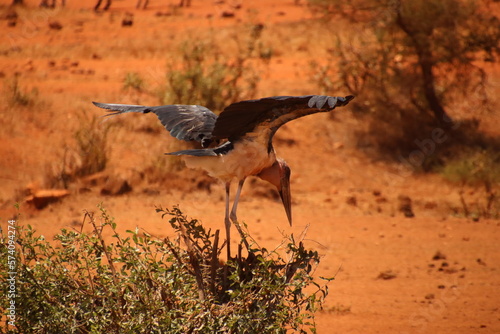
(279, 176)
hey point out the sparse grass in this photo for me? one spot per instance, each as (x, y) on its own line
(133, 81)
(23, 107)
(91, 139)
(479, 170)
(83, 283)
(61, 172)
(338, 309)
(20, 97)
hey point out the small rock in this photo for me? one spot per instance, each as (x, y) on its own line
(405, 206)
(481, 262)
(387, 275)
(10, 14)
(227, 14)
(55, 25)
(128, 21)
(351, 200)
(439, 256)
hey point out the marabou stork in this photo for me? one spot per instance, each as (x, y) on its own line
(248, 128)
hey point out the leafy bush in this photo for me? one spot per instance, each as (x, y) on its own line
(141, 284)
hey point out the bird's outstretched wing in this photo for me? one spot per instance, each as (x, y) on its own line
(270, 113)
(184, 122)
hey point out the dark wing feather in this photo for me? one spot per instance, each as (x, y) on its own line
(184, 122)
(246, 116)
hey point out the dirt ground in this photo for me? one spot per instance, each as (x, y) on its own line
(436, 272)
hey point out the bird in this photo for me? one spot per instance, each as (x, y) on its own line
(238, 142)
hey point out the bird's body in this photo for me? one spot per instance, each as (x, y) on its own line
(248, 128)
(248, 157)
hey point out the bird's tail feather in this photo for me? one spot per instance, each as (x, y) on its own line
(195, 152)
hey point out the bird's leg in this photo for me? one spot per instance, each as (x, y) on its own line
(236, 200)
(233, 212)
(227, 222)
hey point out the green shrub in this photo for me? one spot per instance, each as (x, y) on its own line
(82, 283)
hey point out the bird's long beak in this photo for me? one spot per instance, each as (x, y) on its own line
(279, 175)
(286, 196)
(284, 189)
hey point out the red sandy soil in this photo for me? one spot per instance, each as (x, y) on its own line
(348, 203)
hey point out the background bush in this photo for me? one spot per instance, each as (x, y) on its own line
(207, 75)
(416, 65)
